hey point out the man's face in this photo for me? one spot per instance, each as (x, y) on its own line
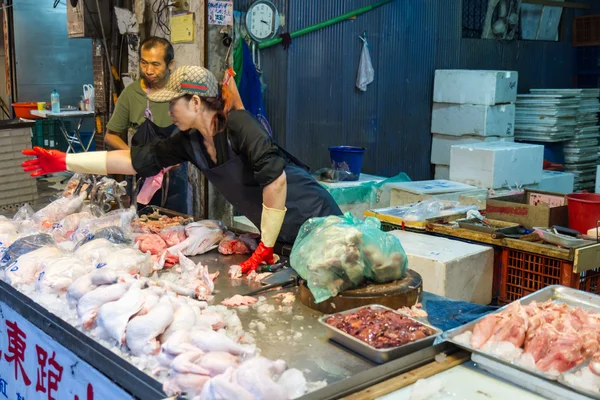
(152, 64)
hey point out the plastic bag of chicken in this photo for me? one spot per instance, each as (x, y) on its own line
(334, 254)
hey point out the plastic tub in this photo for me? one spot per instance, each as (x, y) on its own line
(347, 158)
(584, 211)
(22, 110)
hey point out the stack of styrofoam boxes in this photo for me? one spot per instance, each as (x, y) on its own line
(17, 187)
(470, 106)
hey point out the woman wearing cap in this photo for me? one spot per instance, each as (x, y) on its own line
(233, 150)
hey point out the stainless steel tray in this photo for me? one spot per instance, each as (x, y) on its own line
(379, 356)
(560, 294)
(562, 380)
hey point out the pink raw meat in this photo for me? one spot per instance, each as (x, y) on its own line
(232, 245)
(239, 300)
(151, 243)
(173, 235)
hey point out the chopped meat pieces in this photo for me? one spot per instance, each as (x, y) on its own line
(380, 328)
(239, 300)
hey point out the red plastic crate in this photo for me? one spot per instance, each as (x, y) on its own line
(586, 30)
(524, 273)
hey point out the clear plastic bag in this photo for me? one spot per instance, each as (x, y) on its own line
(26, 245)
(334, 254)
(114, 234)
(120, 218)
(57, 210)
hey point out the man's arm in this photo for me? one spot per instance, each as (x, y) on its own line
(113, 141)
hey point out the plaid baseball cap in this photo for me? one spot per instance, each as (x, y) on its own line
(188, 79)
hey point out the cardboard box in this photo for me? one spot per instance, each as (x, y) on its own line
(532, 208)
(473, 119)
(496, 164)
(483, 87)
(442, 144)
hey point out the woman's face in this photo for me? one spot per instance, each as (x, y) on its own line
(183, 112)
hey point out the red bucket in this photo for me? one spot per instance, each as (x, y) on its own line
(584, 211)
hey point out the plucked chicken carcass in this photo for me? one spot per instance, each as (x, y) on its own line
(95, 251)
(90, 303)
(58, 210)
(157, 247)
(173, 235)
(259, 377)
(128, 260)
(27, 267)
(223, 387)
(63, 229)
(142, 332)
(202, 237)
(184, 318)
(58, 274)
(208, 340)
(114, 316)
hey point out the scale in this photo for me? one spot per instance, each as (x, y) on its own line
(405, 292)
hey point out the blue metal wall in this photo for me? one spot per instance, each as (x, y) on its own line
(311, 97)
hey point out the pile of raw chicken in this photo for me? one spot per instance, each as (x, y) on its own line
(549, 337)
(139, 294)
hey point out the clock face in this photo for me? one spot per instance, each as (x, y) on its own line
(262, 21)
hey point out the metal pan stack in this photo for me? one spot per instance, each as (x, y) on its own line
(582, 150)
(546, 117)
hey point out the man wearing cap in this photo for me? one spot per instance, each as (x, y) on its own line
(232, 149)
(145, 121)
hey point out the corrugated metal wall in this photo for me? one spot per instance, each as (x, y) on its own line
(312, 101)
(46, 58)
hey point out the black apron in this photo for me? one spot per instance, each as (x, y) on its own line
(175, 182)
(306, 198)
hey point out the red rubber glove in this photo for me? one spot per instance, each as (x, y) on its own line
(47, 161)
(261, 254)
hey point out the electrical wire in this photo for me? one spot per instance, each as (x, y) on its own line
(158, 8)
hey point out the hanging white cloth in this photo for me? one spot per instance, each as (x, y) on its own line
(366, 73)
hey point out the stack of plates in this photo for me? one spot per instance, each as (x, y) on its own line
(583, 150)
(546, 117)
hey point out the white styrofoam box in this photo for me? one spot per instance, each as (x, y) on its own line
(441, 145)
(473, 119)
(483, 87)
(495, 164)
(442, 172)
(555, 181)
(597, 179)
(450, 268)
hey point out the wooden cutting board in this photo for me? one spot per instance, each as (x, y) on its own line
(396, 294)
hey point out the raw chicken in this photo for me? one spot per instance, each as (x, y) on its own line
(114, 316)
(141, 332)
(80, 287)
(595, 364)
(153, 244)
(201, 238)
(217, 362)
(27, 267)
(190, 384)
(564, 354)
(58, 210)
(95, 251)
(173, 235)
(184, 318)
(208, 341)
(210, 320)
(239, 300)
(235, 272)
(178, 343)
(512, 327)
(232, 245)
(483, 331)
(286, 298)
(259, 377)
(187, 363)
(151, 298)
(58, 274)
(63, 229)
(129, 261)
(178, 289)
(88, 305)
(222, 387)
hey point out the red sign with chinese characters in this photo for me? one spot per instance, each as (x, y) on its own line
(34, 366)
